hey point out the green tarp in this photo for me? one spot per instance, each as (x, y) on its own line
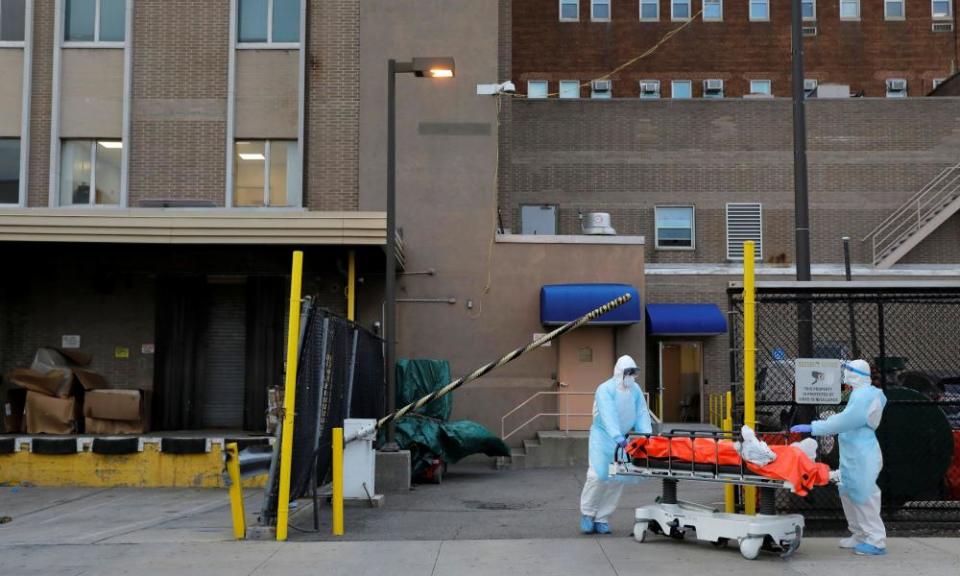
(427, 432)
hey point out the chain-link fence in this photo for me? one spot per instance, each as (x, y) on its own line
(340, 375)
(910, 334)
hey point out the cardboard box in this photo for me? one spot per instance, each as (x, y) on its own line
(126, 405)
(57, 382)
(101, 426)
(13, 406)
(50, 415)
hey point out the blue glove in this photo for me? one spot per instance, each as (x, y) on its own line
(801, 429)
(621, 441)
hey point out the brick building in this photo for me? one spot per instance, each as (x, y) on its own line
(159, 161)
(729, 48)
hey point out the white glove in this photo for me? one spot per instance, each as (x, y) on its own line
(834, 476)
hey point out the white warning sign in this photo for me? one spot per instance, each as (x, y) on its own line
(817, 381)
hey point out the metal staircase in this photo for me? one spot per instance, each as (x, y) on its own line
(916, 219)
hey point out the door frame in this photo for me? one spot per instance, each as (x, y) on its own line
(660, 345)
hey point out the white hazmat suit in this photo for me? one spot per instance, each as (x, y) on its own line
(618, 407)
(860, 456)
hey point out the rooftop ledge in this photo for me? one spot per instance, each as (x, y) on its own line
(570, 239)
(192, 226)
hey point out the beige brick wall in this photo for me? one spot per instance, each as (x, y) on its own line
(866, 157)
(333, 85)
(40, 98)
(178, 130)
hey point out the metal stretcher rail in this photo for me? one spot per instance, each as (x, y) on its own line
(672, 468)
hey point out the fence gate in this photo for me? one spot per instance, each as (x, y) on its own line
(910, 334)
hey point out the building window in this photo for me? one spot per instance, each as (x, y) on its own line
(650, 10)
(681, 89)
(267, 173)
(538, 220)
(569, 89)
(570, 10)
(713, 88)
(600, 10)
(9, 171)
(650, 89)
(809, 9)
(601, 89)
(744, 222)
(12, 20)
(849, 9)
(941, 9)
(759, 10)
(90, 165)
(896, 88)
(712, 10)
(893, 9)
(95, 21)
(675, 227)
(679, 9)
(537, 89)
(268, 21)
(810, 87)
(761, 87)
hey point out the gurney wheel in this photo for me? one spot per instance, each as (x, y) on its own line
(750, 547)
(640, 531)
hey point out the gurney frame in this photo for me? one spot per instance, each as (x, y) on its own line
(672, 517)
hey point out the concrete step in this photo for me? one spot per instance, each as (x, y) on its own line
(551, 449)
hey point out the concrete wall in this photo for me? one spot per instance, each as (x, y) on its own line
(11, 91)
(866, 157)
(91, 102)
(446, 200)
(267, 94)
(861, 54)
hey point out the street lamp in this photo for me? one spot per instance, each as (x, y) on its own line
(442, 67)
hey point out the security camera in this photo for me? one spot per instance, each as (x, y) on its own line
(507, 87)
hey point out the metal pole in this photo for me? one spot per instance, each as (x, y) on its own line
(289, 397)
(337, 492)
(854, 348)
(801, 205)
(390, 327)
(749, 358)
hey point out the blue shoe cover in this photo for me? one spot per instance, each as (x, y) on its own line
(601, 527)
(586, 524)
(864, 549)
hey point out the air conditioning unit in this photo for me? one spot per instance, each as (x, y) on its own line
(600, 85)
(809, 30)
(713, 85)
(896, 85)
(597, 224)
(942, 27)
(649, 89)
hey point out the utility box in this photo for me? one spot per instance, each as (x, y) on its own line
(359, 460)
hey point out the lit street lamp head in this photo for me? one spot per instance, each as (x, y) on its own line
(441, 67)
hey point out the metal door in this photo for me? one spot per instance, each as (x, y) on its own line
(223, 388)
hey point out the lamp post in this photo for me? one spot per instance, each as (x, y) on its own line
(442, 67)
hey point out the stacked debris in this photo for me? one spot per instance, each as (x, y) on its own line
(59, 394)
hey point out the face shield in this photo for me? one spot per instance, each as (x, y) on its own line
(630, 374)
(856, 373)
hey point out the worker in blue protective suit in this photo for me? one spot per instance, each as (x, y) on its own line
(860, 459)
(618, 407)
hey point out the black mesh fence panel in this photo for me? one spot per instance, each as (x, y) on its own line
(330, 368)
(911, 337)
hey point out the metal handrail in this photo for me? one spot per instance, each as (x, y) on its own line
(933, 197)
(566, 413)
(926, 187)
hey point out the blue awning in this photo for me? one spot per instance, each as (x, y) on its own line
(561, 303)
(685, 320)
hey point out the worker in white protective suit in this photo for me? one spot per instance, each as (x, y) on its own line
(860, 459)
(618, 407)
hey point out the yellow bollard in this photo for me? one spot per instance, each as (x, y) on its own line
(728, 501)
(749, 358)
(236, 492)
(289, 397)
(337, 481)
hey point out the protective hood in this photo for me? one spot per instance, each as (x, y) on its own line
(856, 373)
(623, 363)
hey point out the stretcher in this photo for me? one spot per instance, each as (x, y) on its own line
(672, 517)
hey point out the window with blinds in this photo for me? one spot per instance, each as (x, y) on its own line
(744, 222)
